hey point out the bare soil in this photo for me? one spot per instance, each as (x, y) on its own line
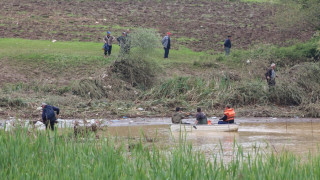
(199, 25)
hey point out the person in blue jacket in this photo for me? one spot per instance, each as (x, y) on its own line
(166, 42)
(227, 45)
(48, 115)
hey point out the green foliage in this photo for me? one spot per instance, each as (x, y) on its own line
(246, 93)
(186, 88)
(12, 102)
(89, 88)
(145, 39)
(134, 67)
(136, 71)
(298, 14)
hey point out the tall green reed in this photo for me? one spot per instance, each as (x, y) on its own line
(49, 155)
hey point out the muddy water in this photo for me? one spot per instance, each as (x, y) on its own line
(298, 135)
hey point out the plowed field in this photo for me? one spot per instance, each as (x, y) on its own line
(199, 25)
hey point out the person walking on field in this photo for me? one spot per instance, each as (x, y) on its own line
(228, 117)
(48, 115)
(108, 39)
(271, 75)
(166, 44)
(227, 45)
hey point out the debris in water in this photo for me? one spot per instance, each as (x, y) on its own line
(40, 126)
(8, 126)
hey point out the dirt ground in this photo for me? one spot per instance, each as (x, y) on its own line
(199, 25)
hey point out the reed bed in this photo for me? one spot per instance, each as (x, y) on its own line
(47, 155)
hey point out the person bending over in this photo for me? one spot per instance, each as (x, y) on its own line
(48, 115)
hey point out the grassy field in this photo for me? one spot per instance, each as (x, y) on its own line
(47, 155)
(69, 75)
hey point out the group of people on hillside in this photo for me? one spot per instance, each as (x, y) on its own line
(201, 118)
(125, 43)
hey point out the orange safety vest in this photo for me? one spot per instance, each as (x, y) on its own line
(230, 114)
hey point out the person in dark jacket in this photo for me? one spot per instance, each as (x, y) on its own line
(271, 75)
(166, 43)
(227, 45)
(201, 118)
(124, 43)
(48, 115)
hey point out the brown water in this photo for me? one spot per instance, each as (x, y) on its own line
(297, 135)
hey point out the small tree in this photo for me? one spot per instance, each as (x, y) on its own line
(134, 67)
(145, 41)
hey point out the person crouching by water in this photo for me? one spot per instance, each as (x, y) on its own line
(177, 116)
(228, 117)
(48, 115)
(201, 118)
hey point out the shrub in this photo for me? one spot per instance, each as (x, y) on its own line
(138, 72)
(245, 93)
(186, 88)
(145, 39)
(12, 102)
(89, 88)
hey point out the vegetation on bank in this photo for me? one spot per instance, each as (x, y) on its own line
(72, 75)
(46, 155)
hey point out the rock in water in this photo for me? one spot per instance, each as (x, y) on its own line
(8, 126)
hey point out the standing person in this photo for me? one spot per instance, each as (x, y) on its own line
(271, 75)
(177, 116)
(228, 117)
(128, 39)
(108, 39)
(201, 118)
(227, 45)
(166, 44)
(123, 44)
(48, 115)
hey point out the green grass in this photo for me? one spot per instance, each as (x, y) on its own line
(14, 47)
(71, 51)
(49, 155)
